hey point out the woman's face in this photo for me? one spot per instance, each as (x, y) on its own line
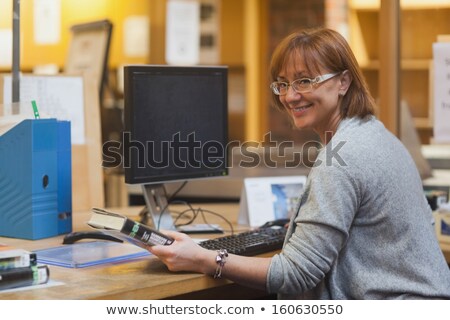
(317, 109)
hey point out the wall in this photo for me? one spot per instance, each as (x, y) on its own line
(246, 46)
(73, 12)
(81, 11)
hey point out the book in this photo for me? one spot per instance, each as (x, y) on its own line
(126, 229)
(25, 276)
(16, 258)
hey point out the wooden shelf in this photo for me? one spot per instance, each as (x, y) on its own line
(364, 4)
(423, 123)
(421, 23)
(370, 65)
(372, 5)
(415, 64)
(406, 64)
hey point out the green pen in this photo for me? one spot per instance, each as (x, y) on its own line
(35, 109)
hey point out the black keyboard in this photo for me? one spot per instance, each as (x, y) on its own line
(249, 243)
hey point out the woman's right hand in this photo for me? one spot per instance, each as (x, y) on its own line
(184, 254)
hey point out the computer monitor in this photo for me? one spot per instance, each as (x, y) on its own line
(176, 122)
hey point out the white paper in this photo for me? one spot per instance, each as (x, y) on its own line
(58, 97)
(268, 198)
(136, 36)
(5, 48)
(441, 57)
(183, 32)
(47, 21)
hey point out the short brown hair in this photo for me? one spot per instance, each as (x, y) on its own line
(326, 49)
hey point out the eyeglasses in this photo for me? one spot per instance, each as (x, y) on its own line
(303, 85)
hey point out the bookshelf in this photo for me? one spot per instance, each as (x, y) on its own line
(421, 21)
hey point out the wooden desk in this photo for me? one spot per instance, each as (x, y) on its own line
(147, 278)
(144, 279)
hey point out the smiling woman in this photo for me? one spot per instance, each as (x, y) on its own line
(362, 205)
(309, 59)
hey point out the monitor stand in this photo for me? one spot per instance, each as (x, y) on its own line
(157, 205)
(158, 213)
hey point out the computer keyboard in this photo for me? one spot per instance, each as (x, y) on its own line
(249, 243)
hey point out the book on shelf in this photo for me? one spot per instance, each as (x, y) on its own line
(16, 258)
(126, 229)
(24, 276)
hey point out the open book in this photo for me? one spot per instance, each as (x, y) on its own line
(126, 229)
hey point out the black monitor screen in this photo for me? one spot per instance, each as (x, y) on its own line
(175, 123)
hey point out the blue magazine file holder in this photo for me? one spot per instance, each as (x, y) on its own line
(36, 180)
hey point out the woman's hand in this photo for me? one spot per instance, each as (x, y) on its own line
(184, 254)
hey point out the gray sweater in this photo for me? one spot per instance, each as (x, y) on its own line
(364, 228)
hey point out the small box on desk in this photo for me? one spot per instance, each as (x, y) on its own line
(436, 198)
(436, 195)
(442, 226)
(36, 180)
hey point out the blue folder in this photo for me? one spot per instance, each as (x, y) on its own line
(86, 254)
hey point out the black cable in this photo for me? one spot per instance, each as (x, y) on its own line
(222, 217)
(145, 211)
(202, 212)
(195, 212)
(176, 191)
(191, 209)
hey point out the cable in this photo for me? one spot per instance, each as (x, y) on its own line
(220, 216)
(145, 212)
(169, 201)
(194, 211)
(202, 212)
(177, 191)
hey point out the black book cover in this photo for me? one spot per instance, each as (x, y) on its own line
(26, 276)
(127, 229)
(144, 234)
